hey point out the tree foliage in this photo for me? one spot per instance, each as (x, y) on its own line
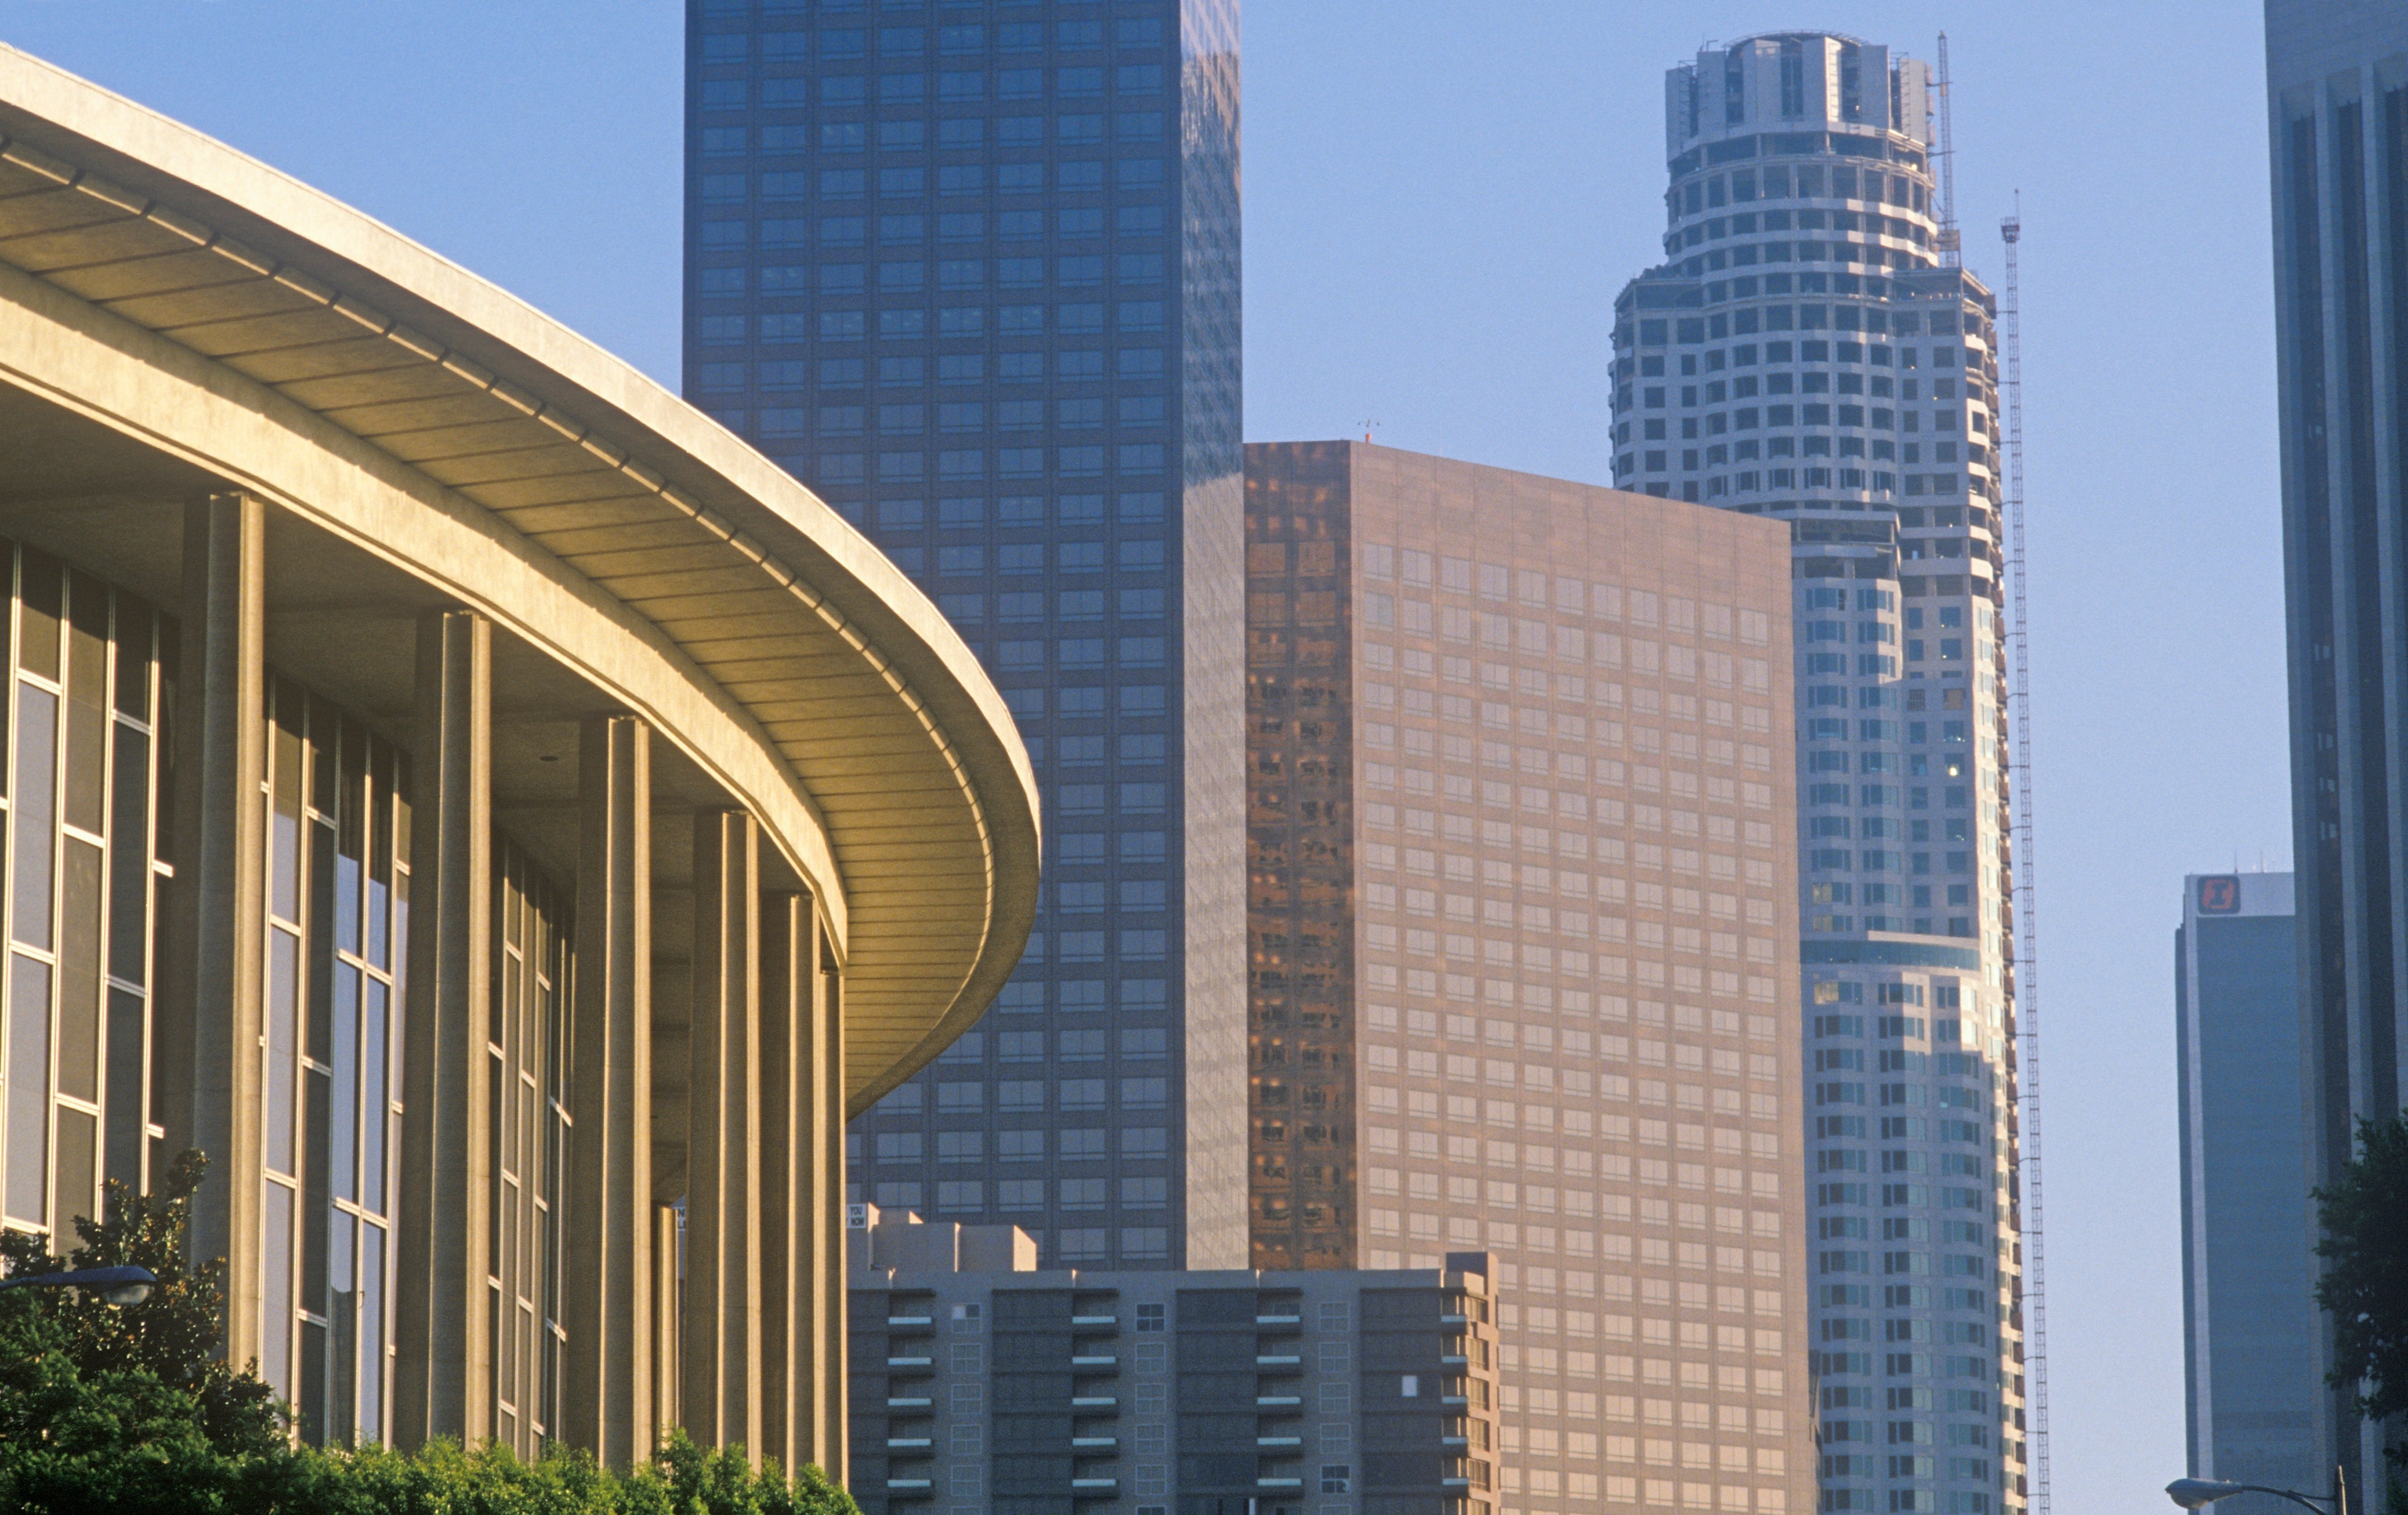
(113, 1409)
(2364, 1216)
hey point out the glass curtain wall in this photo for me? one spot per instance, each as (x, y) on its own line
(83, 807)
(527, 1065)
(337, 906)
(339, 900)
(79, 822)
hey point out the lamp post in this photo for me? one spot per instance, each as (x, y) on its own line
(125, 1285)
(2190, 1494)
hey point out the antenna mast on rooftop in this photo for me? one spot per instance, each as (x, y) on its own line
(2035, 1278)
(1950, 243)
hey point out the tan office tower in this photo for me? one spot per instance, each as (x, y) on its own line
(1524, 936)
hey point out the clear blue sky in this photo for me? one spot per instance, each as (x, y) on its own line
(1441, 202)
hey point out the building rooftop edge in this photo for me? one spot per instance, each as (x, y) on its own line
(147, 165)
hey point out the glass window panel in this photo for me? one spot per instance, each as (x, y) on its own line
(400, 843)
(553, 1054)
(371, 1333)
(77, 1182)
(87, 765)
(550, 1379)
(508, 1363)
(495, 1077)
(373, 1047)
(37, 722)
(343, 1346)
(37, 639)
(284, 838)
(87, 703)
(29, 1089)
(325, 727)
(129, 860)
(170, 644)
(126, 1060)
(555, 1147)
(347, 901)
(283, 983)
(80, 972)
(315, 1097)
(556, 1053)
(380, 809)
(309, 1408)
(388, 859)
(133, 658)
(342, 1155)
(350, 842)
(321, 938)
(502, 1008)
(275, 1288)
(493, 1317)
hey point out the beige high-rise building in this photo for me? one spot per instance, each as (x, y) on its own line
(1524, 942)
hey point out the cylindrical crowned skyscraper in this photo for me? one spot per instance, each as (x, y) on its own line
(1809, 351)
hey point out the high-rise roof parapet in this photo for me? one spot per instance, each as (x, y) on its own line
(1792, 81)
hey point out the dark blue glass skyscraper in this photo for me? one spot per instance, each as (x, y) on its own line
(2337, 103)
(2248, 1224)
(969, 268)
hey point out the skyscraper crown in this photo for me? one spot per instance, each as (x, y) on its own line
(1794, 82)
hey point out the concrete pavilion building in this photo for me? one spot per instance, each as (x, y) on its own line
(1806, 352)
(2336, 103)
(470, 795)
(1523, 932)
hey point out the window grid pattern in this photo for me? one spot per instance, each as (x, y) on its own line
(79, 815)
(1847, 382)
(1300, 858)
(528, 1080)
(337, 903)
(972, 277)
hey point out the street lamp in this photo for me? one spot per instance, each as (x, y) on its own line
(115, 1285)
(2190, 1494)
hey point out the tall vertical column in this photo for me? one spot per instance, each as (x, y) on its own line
(721, 1377)
(442, 1368)
(831, 1368)
(607, 1403)
(787, 970)
(668, 1308)
(217, 922)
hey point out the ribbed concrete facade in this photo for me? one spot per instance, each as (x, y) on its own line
(1524, 939)
(366, 633)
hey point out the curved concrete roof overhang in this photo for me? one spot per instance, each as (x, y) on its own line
(164, 285)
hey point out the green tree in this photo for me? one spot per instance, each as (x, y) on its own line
(109, 1408)
(2364, 1216)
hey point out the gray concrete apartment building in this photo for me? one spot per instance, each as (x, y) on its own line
(2249, 1325)
(1524, 948)
(982, 1385)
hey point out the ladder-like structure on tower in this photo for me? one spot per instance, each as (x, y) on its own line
(2035, 1273)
